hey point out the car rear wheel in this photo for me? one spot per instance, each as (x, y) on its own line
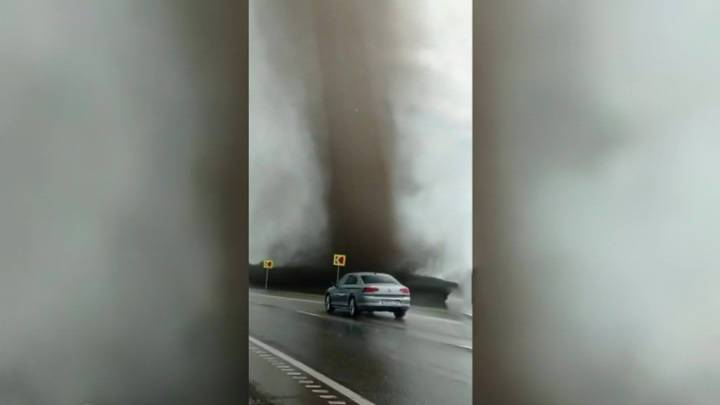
(328, 306)
(399, 314)
(352, 308)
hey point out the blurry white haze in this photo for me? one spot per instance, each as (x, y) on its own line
(117, 123)
(415, 56)
(603, 284)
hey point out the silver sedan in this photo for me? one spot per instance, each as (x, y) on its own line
(358, 292)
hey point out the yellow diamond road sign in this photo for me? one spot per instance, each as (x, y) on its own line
(267, 264)
(339, 260)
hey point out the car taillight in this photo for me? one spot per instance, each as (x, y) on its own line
(405, 290)
(370, 289)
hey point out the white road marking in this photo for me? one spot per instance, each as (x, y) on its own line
(313, 386)
(336, 402)
(292, 373)
(287, 298)
(316, 374)
(320, 391)
(311, 314)
(300, 377)
(306, 381)
(328, 397)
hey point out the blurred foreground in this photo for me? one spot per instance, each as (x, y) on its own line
(122, 203)
(596, 192)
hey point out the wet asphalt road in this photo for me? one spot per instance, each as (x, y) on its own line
(424, 359)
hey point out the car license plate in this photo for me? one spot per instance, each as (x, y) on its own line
(389, 302)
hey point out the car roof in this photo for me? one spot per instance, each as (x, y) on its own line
(367, 273)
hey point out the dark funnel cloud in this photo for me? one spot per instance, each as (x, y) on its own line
(336, 61)
(359, 144)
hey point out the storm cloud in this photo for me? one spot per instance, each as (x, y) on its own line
(360, 138)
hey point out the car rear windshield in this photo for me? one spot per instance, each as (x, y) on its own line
(378, 279)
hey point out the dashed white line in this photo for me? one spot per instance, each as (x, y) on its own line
(295, 375)
(315, 374)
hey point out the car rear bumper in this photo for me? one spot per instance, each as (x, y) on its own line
(383, 303)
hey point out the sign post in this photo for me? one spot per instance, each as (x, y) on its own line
(267, 265)
(338, 261)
